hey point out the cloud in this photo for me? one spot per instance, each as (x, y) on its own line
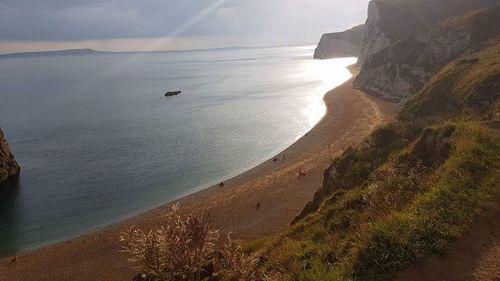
(292, 21)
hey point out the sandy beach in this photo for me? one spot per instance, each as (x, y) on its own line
(275, 185)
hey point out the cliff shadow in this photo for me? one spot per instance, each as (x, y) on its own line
(9, 216)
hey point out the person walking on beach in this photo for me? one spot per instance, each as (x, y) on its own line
(302, 173)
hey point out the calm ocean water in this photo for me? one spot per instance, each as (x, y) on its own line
(98, 141)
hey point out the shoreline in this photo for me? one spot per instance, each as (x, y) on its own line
(350, 116)
(194, 191)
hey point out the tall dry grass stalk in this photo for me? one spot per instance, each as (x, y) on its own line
(184, 248)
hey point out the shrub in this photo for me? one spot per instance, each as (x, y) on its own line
(231, 263)
(183, 249)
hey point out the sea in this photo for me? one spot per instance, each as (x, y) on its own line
(98, 142)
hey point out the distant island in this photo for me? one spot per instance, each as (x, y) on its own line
(88, 51)
(53, 53)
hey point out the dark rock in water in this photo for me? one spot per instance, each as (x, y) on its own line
(8, 165)
(173, 93)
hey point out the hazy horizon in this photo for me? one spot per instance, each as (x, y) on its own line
(160, 25)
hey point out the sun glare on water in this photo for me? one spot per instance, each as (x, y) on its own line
(329, 74)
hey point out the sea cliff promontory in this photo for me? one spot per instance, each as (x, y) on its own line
(340, 44)
(402, 69)
(392, 20)
(404, 204)
(8, 164)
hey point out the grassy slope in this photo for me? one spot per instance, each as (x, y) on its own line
(475, 81)
(408, 190)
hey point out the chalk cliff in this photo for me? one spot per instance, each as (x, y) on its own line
(340, 44)
(412, 189)
(401, 69)
(392, 20)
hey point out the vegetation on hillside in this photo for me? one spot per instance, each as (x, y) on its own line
(468, 88)
(403, 68)
(186, 248)
(405, 192)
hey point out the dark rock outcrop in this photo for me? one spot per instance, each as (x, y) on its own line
(8, 164)
(340, 44)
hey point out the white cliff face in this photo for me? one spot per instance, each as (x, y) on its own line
(335, 48)
(399, 76)
(374, 38)
(379, 83)
(390, 21)
(402, 69)
(340, 44)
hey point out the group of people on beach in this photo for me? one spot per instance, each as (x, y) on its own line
(302, 173)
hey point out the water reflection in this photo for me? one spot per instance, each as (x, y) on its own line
(330, 74)
(9, 215)
(98, 143)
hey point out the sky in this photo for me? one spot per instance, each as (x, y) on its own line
(152, 25)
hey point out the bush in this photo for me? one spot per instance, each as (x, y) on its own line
(183, 249)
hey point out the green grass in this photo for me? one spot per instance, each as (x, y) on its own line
(407, 191)
(403, 212)
(455, 196)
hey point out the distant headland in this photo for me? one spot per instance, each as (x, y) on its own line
(88, 51)
(52, 53)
